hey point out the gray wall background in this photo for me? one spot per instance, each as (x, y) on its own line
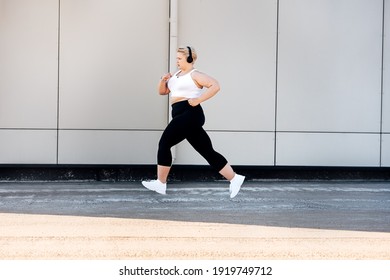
(304, 82)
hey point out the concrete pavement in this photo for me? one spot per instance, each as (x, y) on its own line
(267, 220)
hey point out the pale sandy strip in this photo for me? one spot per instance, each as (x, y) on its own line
(68, 237)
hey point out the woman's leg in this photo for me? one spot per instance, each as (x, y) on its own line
(201, 142)
(227, 172)
(170, 136)
(162, 173)
(173, 134)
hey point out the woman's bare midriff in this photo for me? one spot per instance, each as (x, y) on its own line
(178, 99)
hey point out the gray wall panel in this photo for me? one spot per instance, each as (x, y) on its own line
(107, 147)
(327, 149)
(386, 150)
(28, 63)
(330, 65)
(28, 146)
(111, 57)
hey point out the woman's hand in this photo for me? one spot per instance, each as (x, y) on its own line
(194, 102)
(203, 80)
(162, 84)
(166, 77)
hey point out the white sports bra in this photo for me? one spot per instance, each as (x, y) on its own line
(184, 86)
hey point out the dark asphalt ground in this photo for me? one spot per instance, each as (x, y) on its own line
(340, 205)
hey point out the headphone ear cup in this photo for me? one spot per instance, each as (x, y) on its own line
(189, 58)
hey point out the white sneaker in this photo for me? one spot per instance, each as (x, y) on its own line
(155, 185)
(235, 185)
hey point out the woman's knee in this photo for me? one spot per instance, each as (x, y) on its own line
(164, 157)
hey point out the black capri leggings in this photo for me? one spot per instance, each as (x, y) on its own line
(186, 123)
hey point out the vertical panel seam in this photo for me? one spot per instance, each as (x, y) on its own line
(169, 46)
(382, 83)
(276, 79)
(58, 78)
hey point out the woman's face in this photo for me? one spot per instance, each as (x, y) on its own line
(181, 60)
